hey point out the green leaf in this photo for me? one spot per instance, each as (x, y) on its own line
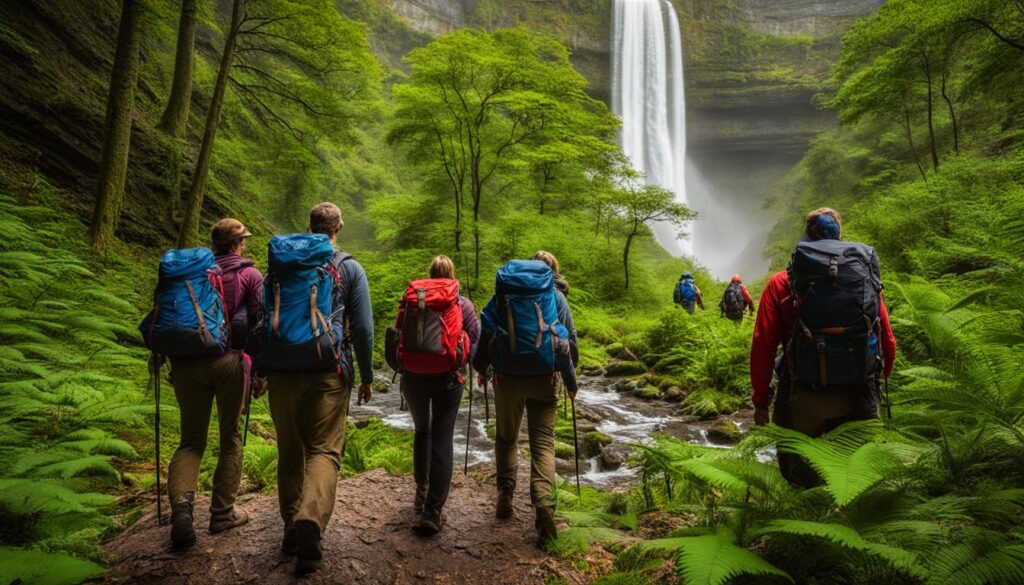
(712, 559)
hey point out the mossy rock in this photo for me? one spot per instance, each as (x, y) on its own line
(617, 369)
(593, 442)
(564, 451)
(648, 393)
(613, 349)
(674, 394)
(724, 431)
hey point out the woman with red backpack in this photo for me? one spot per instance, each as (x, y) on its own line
(434, 337)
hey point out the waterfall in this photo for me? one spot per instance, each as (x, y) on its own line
(647, 93)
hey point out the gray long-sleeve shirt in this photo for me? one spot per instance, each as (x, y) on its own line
(360, 316)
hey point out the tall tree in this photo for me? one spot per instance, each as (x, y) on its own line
(175, 118)
(295, 65)
(190, 224)
(641, 204)
(118, 127)
(476, 103)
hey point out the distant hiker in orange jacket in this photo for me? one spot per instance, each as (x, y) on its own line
(736, 300)
(836, 307)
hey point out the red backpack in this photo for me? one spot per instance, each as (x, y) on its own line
(430, 338)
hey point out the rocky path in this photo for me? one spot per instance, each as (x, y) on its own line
(369, 540)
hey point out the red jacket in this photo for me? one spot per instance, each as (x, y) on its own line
(773, 326)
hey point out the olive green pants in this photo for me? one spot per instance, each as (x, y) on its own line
(197, 383)
(537, 396)
(309, 410)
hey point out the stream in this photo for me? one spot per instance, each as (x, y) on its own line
(625, 418)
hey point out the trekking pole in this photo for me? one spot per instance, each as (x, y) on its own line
(575, 446)
(344, 442)
(469, 422)
(888, 402)
(156, 435)
(487, 404)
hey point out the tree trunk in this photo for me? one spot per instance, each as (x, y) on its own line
(118, 128)
(910, 139)
(175, 118)
(931, 121)
(625, 255)
(190, 224)
(952, 114)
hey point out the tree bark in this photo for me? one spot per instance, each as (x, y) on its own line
(118, 128)
(190, 224)
(952, 114)
(931, 116)
(175, 118)
(625, 254)
(910, 139)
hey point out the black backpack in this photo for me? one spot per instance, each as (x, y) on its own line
(733, 302)
(835, 287)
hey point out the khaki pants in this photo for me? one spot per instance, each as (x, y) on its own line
(197, 383)
(309, 410)
(537, 396)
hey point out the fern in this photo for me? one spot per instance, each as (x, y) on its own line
(41, 568)
(711, 559)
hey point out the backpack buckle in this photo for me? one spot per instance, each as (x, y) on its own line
(833, 269)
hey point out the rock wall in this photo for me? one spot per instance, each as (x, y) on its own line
(430, 16)
(809, 17)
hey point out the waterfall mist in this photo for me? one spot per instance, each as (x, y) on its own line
(647, 93)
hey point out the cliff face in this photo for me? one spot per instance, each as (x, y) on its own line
(430, 16)
(808, 17)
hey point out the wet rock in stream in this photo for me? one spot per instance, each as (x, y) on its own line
(593, 442)
(614, 456)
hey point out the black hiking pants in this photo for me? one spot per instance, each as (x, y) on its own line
(434, 405)
(815, 412)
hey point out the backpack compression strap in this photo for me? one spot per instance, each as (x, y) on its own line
(195, 305)
(421, 305)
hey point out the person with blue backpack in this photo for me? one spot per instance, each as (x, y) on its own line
(529, 339)
(827, 312)
(200, 293)
(315, 312)
(686, 293)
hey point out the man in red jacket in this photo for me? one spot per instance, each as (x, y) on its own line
(811, 411)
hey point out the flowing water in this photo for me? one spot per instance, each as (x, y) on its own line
(623, 417)
(648, 94)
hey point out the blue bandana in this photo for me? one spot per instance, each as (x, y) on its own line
(825, 228)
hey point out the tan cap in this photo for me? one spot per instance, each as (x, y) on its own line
(228, 229)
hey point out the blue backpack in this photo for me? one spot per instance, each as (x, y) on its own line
(301, 323)
(528, 340)
(187, 319)
(685, 291)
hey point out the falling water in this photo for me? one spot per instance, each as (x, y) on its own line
(647, 93)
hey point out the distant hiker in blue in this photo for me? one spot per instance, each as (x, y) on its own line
(687, 294)
(201, 293)
(316, 310)
(529, 339)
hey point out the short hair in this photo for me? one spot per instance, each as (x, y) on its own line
(811, 223)
(227, 235)
(325, 218)
(547, 258)
(442, 267)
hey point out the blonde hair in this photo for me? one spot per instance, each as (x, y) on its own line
(547, 258)
(442, 267)
(325, 218)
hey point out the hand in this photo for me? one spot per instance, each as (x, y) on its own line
(365, 394)
(481, 380)
(572, 394)
(761, 415)
(259, 387)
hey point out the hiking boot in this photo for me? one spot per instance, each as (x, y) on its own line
(183, 535)
(307, 548)
(504, 508)
(421, 498)
(222, 521)
(430, 524)
(546, 529)
(289, 544)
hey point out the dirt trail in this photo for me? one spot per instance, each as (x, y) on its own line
(369, 540)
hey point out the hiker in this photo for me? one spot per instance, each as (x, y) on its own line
(529, 339)
(686, 293)
(736, 300)
(316, 310)
(839, 315)
(435, 334)
(226, 284)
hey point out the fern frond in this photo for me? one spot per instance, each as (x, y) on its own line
(711, 559)
(43, 568)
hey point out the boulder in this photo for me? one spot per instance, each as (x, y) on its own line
(618, 368)
(674, 394)
(614, 456)
(593, 442)
(724, 432)
(381, 383)
(648, 393)
(595, 371)
(625, 386)
(564, 451)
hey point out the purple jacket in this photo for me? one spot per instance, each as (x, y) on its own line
(470, 323)
(243, 286)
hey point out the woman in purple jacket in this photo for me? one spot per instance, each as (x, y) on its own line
(434, 405)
